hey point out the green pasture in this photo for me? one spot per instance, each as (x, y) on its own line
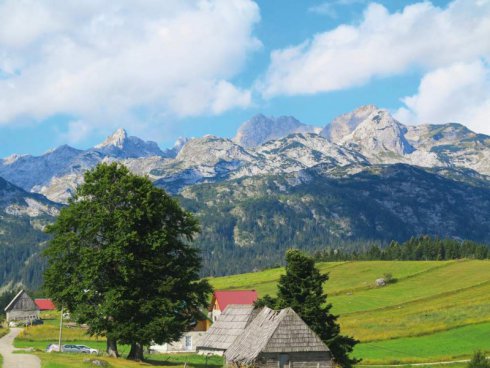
(454, 344)
(53, 360)
(344, 276)
(416, 317)
(434, 311)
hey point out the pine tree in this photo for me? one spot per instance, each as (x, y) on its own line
(301, 289)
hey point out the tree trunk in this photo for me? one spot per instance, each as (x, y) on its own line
(112, 348)
(136, 352)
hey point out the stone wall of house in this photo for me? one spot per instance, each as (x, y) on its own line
(20, 315)
(187, 343)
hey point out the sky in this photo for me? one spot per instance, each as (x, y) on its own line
(72, 72)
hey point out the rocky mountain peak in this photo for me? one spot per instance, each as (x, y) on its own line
(260, 129)
(379, 137)
(117, 139)
(120, 145)
(345, 124)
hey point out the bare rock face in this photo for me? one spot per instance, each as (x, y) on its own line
(380, 138)
(345, 124)
(119, 145)
(263, 145)
(260, 129)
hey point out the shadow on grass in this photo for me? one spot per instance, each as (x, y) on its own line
(180, 361)
(166, 363)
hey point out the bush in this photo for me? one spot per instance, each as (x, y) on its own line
(479, 360)
(389, 279)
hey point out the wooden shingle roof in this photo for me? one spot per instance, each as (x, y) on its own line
(229, 325)
(274, 332)
(21, 301)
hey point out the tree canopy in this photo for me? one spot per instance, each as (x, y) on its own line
(301, 288)
(121, 260)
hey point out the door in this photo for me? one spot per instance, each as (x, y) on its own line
(283, 361)
(188, 343)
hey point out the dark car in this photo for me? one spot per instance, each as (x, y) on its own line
(35, 322)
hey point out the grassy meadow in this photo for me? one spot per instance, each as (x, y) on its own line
(39, 337)
(160, 360)
(433, 311)
(418, 318)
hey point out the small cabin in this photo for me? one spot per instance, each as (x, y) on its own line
(22, 308)
(222, 298)
(278, 339)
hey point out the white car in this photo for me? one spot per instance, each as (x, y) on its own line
(52, 347)
(70, 348)
(87, 349)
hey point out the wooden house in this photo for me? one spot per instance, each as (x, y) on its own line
(278, 339)
(229, 325)
(22, 308)
(222, 298)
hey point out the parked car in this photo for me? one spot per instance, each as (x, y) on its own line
(72, 348)
(52, 347)
(87, 349)
(35, 322)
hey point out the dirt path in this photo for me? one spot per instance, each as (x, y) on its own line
(11, 360)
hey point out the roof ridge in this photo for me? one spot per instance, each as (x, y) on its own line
(14, 300)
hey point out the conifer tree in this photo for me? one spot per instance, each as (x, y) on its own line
(301, 288)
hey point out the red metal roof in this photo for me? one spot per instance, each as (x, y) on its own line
(45, 304)
(225, 297)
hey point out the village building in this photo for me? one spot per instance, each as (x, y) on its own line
(278, 339)
(22, 308)
(189, 340)
(230, 324)
(195, 337)
(45, 304)
(222, 298)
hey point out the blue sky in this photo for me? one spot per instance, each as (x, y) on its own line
(76, 72)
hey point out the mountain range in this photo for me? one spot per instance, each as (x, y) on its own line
(281, 183)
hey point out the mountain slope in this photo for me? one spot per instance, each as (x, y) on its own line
(257, 218)
(23, 216)
(263, 145)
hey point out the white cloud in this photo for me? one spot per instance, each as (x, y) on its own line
(103, 60)
(382, 44)
(457, 93)
(77, 131)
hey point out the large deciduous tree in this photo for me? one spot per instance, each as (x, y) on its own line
(122, 262)
(301, 288)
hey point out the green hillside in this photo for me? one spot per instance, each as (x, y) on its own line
(418, 318)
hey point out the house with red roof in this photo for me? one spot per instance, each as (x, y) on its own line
(222, 298)
(45, 304)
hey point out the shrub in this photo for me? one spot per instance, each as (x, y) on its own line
(479, 360)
